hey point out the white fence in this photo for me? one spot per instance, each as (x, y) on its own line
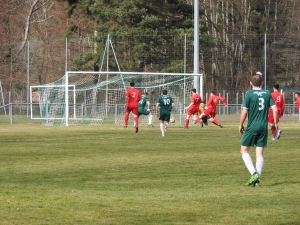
(20, 113)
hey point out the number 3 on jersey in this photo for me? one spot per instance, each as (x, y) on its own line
(261, 102)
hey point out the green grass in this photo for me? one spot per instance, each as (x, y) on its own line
(111, 175)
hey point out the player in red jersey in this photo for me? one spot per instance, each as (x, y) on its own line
(132, 98)
(212, 107)
(193, 108)
(297, 102)
(279, 102)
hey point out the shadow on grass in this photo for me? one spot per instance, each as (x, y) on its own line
(283, 183)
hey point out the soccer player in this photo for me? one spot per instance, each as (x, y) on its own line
(202, 108)
(279, 102)
(164, 104)
(142, 111)
(297, 97)
(193, 108)
(212, 107)
(256, 106)
(132, 98)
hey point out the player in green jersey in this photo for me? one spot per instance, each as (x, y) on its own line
(164, 104)
(142, 111)
(256, 106)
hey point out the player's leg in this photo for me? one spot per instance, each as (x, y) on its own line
(247, 141)
(150, 119)
(247, 159)
(260, 145)
(214, 121)
(271, 124)
(187, 121)
(136, 122)
(135, 118)
(138, 115)
(195, 119)
(198, 120)
(167, 120)
(273, 131)
(278, 132)
(205, 119)
(259, 160)
(162, 127)
(126, 118)
(162, 123)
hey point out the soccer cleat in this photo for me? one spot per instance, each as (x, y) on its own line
(273, 138)
(166, 127)
(150, 125)
(185, 127)
(257, 183)
(125, 126)
(205, 121)
(278, 133)
(253, 179)
(201, 123)
(136, 129)
(220, 126)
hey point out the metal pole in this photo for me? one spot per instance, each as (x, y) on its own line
(265, 61)
(28, 87)
(66, 64)
(184, 70)
(10, 107)
(67, 99)
(107, 62)
(66, 87)
(196, 44)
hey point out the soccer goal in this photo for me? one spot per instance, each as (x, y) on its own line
(98, 97)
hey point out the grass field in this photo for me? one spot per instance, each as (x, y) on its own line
(111, 175)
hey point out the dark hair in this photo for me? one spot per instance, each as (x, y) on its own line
(145, 93)
(165, 92)
(194, 90)
(132, 84)
(213, 92)
(256, 80)
(297, 93)
(276, 86)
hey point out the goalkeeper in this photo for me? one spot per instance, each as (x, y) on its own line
(142, 111)
(202, 108)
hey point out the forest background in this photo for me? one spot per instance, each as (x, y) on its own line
(40, 39)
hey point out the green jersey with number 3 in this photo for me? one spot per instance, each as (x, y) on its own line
(258, 102)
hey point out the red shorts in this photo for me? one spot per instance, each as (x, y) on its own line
(133, 109)
(271, 117)
(210, 112)
(193, 111)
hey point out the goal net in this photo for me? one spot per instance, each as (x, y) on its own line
(98, 97)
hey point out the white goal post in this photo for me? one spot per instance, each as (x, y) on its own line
(89, 97)
(43, 98)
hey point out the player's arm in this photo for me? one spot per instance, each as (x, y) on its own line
(242, 120)
(126, 101)
(189, 105)
(223, 100)
(156, 109)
